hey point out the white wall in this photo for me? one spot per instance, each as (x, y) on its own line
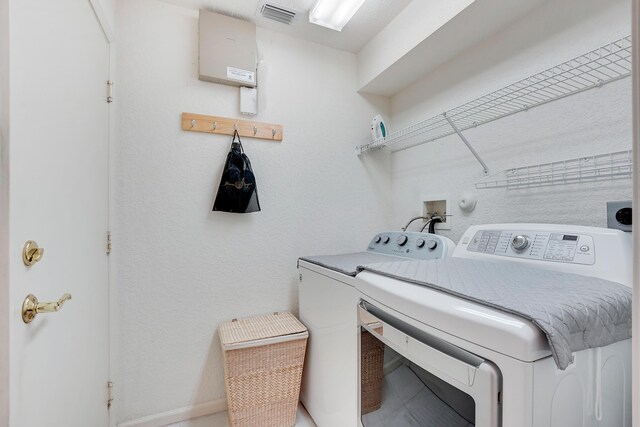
(414, 23)
(105, 10)
(109, 9)
(181, 269)
(594, 122)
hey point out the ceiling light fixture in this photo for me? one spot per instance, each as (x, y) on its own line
(334, 14)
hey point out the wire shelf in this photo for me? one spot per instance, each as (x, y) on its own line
(601, 167)
(603, 65)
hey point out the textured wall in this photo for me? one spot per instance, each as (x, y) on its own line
(594, 122)
(416, 22)
(179, 268)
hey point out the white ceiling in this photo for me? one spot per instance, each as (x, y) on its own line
(367, 22)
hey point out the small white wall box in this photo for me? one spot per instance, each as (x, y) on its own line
(227, 50)
(440, 203)
(249, 101)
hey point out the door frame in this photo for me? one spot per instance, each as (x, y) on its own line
(108, 28)
(635, 372)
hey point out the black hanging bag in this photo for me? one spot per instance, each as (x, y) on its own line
(237, 191)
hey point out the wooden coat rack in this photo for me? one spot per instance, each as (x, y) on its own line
(226, 126)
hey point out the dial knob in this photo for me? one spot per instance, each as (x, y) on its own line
(420, 243)
(520, 242)
(377, 239)
(402, 240)
(432, 244)
(385, 239)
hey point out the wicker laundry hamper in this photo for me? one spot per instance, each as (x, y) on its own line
(371, 366)
(263, 359)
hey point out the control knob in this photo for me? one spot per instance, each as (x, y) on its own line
(402, 240)
(385, 239)
(420, 243)
(432, 244)
(377, 239)
(520, 242)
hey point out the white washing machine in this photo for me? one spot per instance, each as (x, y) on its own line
(328, 307)
(472, 365)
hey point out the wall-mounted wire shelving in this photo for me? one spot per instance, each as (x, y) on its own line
(593, 69)
(616, 165)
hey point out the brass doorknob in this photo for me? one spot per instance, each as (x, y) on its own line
(31, 307)
(31, 253)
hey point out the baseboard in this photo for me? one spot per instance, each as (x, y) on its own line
(177, 415)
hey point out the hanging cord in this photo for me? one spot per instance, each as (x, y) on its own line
(425, 226)
(233, 140)
(414, 219)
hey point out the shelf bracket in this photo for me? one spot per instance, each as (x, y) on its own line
(466, 142)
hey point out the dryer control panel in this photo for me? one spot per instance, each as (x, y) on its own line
(564, 247)
(577, 249)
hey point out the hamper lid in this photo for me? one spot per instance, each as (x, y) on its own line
(259, 327)
(367, 318)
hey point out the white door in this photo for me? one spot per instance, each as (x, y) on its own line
(59, 363)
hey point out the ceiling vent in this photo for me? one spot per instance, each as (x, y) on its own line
(278, 13)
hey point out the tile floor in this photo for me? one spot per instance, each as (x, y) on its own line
(220, 420)
(407, 402)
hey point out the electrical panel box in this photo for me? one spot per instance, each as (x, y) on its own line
(227, 50)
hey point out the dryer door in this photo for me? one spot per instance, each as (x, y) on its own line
(411, 378)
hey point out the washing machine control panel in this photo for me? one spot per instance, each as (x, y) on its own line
(536, 245)
(420, 246)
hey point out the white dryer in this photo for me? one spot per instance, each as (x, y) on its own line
(464, 363)
(328, 307)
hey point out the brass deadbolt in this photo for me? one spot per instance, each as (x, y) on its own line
(31, 253)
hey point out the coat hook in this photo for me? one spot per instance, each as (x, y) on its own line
(255, 130)
(274, 132)
(214, 125)
(235, 126)
(193, 123)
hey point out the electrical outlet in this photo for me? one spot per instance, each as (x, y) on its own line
(619, 215)
(439, 204)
